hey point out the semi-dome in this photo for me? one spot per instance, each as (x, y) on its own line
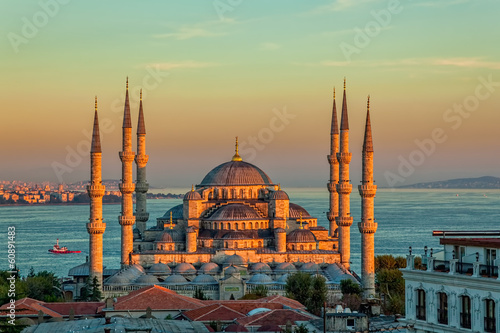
(177, 213)
(231, 270)
(260, 267)
(209, 268)
(234, 212)
(185, 268)
(278, 195)
(236, 235)
(236, 173)
(260, 279)
(295, 211)
(310, 267)
(159, 268)
(146, 279)
(300, 236)
(283, 279)
(164, 237)
(234, 259)
(170, 235)
(285, 267)
(176, 279)
(204, 279)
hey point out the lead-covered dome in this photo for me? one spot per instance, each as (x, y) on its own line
(234, 212)
(295, 210)
(300, 236)
(236, 173)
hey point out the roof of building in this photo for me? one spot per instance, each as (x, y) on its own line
(235, 234)
(213, 312)
(157, 298)
(80, 270)
(236, 173)
(192, 195)
(176, 279)
(231, 270)
(234, 259)
(177, 213)
(480, 242)
(278, 195)
(261, 267)
(146, 279)
(275, 317)
(175, 236)
(285, 267)
(185, 268)
(235, 328)
(209, 268)
(234, 212)
(260, 279)
(159, 268)
(295, 210)
(300, 236)
(29, 306)
(310, 267)
(204, 279)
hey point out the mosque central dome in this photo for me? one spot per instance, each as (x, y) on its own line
(236, 173)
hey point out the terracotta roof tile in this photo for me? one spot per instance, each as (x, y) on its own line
(275, 317)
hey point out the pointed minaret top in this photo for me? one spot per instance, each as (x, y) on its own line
(127, 122)
(236, 157)
(368, 143)
(335, 124)
(344, 122)
(96, 140)
(141, 126)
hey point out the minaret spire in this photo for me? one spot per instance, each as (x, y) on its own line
(141, 185)
(95, 226)
(127, 218)
(367, 227)
(236, 156)
(344, 188)
(334, 171)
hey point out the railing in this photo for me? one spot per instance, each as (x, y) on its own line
(465, 319)
(489, 324)
(488, 270)
(421, 312)
(466, 268)
(442, 316)
(441, 266)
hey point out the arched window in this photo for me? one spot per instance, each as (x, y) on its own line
(302, 247)
(250, 225)
(420, 305)
(489, 315)
(242, 193)
(235, 245)
(310, 247)
(293, 247)
(443, 308)
(243, 226)
(226, 245)
(203, 243)
(465, 312)
(262, 225)
(170, 248)
(236, 226)
(260, 244)
(160, 247)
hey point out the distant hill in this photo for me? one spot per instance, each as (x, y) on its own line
(486, 182)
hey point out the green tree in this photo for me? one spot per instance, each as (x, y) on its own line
(350, 287)
(389, 282)
(260, 291)
(308, 290)
(44, 286)
(199, 294)
(96, 294)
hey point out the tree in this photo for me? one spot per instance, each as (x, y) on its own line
(199, 294)
(260, 291)
(389, 282)
(317, 297)
(96, 294)
(308, 290)
(90, 291)
(350, 287)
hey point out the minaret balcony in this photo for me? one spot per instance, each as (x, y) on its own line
(331, 215)
(126, 187)
(367, 227)
(96, 190)
(344, 158)
(126, 220)
(368, 190)
(344, 221)
(344, 188)
(141, 160)
(141, 187)
(332, 159)
(96, 228)
(127, 156)
(141, 217)
(332, 187)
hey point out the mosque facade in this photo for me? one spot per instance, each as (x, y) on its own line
(234, 230)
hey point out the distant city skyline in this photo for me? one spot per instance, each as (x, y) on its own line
(262, 71)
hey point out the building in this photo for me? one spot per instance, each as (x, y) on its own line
(234, 220)
(456, 290)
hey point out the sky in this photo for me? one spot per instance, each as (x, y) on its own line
(260, 70)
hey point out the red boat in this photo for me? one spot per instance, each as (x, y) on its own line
(61, 249)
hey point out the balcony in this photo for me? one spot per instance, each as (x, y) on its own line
(465, 268)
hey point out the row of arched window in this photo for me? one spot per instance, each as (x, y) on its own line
(236, 225)
(225, 193)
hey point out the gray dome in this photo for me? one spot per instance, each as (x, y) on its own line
(235, 212)
(278, 195)
(231, 270)
(295, 211)
(236, 235)
(260, 279)
(169, 236)
(177, 213)
(185, 268)
(234, 260)
(261, 267)
(285, 267)
(204, 279)
(146, 279)
(176, 279)
(279, 230)
(300, 236)
(283, 278)
(236, 173)
(164, 237)
(209, 268)
(117, 279)
(159, 268)
(192, 195)
(310, 267)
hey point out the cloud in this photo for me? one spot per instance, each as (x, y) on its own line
(440, 3)
(270, 46)
(181, 65)
(188, 33)
(340, 5)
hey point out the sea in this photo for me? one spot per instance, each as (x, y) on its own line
(405, 217)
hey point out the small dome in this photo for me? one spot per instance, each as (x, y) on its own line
(279, 230)
(283, 279)
(146, 279)
(260, 279)
(236, 173)
(117, 279)
(310, 267)
(177, 213)
(192, 195)
(234, 260)
(235, 212)
(209, 268)
(285, 267)
(236, 235)
(164, 237)
(204, 279)
(261, 267)
(175, 279)
(159, 268)
(185, 268)
(300, 236)
(278, 195)
(231, 270)
(295, 211)
(170, 235)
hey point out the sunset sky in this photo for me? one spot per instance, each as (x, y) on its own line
(213, 70)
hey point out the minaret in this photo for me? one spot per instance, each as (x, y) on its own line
(344, 188)
(141, 186)
(127, 218)
(96, 226)
(334, 170)
(367, 226)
